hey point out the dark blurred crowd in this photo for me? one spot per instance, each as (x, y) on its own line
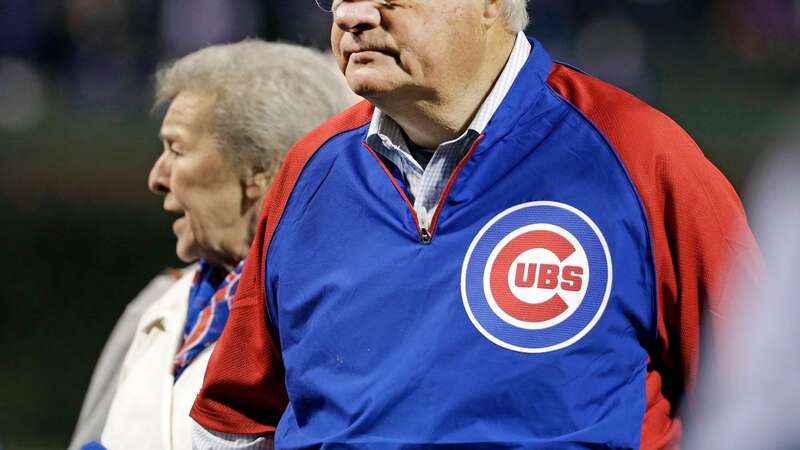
(99, 54)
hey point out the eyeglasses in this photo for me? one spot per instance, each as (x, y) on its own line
(331, 5)
(327, 5)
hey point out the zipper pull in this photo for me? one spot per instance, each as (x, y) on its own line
(424, 236)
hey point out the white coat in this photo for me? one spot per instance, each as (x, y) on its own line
(149, 410)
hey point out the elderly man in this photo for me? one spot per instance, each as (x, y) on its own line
(233, 112)
(495, 251)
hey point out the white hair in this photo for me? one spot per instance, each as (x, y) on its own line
(266, 95)
(515, 13)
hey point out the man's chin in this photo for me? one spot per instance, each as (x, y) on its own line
(370, 83)
(370, 91)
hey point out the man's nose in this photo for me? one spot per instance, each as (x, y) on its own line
(357, 15)
(158, 180)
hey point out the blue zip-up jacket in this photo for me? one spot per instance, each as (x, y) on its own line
(557, 303)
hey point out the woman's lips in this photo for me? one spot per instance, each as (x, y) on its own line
(179, 225)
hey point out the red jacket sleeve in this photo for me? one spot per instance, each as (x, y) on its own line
(698, 230)
(243, 390)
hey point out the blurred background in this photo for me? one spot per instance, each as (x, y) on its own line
(81, 235)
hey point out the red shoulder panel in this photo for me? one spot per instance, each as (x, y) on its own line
(243, 390)
(698, 230)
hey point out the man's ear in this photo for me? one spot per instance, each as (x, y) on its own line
(492, 11)
(256, 182)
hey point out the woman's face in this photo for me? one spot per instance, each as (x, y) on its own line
(200, 185)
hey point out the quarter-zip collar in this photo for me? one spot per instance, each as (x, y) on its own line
(426, 185)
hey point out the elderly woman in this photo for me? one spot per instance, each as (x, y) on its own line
(233, 112)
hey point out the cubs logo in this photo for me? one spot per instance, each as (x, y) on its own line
(537, 277)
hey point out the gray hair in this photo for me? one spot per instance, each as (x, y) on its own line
(266, 95)
(516, 15)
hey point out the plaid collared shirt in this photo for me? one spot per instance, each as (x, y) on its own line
(426, 184)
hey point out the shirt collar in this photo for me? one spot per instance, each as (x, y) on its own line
(391, 134)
